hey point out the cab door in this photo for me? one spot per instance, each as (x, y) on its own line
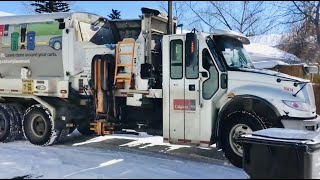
(184, 92)
(176, 89)
(192, 88)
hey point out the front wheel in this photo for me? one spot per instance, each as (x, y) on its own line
(235, 125)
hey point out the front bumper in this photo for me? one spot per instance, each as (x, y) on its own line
(300, 124)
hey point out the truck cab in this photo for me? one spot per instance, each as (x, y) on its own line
(212, 93)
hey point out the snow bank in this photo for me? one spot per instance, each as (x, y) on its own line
(260, 52)
(269, 40)
(268, 64)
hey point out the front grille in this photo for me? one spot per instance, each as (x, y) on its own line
(310, 92)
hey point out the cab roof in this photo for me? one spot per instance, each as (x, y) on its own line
(229, 33)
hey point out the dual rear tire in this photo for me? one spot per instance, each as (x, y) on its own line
(34, 124)
(9, 129)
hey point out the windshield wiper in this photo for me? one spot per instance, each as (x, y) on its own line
(296, 83)
(305, 83)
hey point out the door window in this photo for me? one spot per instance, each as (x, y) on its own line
(176, 52)
(211, 85)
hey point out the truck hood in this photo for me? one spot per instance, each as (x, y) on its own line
(266, 84)
(274, 74)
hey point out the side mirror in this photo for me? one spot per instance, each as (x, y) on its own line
(311, 69)
(224, 81)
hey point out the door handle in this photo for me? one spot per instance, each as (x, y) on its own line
(192, 87)
(199, 92)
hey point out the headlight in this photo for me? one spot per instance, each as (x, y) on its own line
(301, 106)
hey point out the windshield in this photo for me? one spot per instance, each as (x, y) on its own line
(233, 52)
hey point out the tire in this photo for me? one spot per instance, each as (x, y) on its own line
(57, 45)
(38, 126)
(63, 134)
(237, 123)
(84, 128)
(8, 130)
(19, 112)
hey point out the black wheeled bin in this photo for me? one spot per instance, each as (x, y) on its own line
(281, 153)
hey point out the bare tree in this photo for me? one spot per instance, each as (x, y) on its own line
(303, 14)
(178, 7)
(302, 20)
(183, 14)
(248, 17)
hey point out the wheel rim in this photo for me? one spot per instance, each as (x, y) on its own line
(236, 132)
(57, 45)
(38, 126)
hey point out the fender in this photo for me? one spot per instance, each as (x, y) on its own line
(248, 103)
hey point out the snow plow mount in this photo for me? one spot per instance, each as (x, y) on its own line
(102, 127)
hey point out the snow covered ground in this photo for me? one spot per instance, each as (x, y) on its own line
(82, 161)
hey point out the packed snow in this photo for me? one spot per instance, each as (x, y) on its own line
(143, 139)
(22, 159)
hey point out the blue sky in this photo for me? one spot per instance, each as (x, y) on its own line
(129, 9)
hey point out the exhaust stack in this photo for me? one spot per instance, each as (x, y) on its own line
(170, 24)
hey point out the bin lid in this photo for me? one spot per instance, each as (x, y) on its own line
(285, 135)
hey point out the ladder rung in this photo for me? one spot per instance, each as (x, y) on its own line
(124, 77)
(124, 65)
(122, 80)
(126, 42)
(124, 54)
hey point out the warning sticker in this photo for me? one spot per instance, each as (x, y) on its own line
(184, 104)
(27, 87)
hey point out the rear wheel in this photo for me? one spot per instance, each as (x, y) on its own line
(8, 130)
(235, 125)
(38, 126)
(19, 113)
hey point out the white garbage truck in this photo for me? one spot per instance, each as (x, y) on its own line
(64, 71)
